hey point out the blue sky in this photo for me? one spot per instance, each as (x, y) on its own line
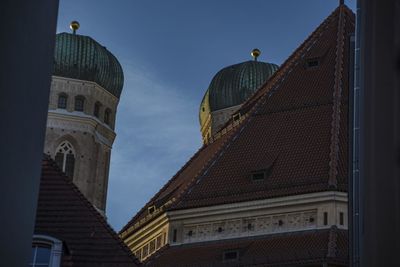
(169, 51)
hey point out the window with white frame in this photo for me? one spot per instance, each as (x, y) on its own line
(46, 251)
(65, 158)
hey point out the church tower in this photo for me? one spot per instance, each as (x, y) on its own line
(86, 85)
(228, 90)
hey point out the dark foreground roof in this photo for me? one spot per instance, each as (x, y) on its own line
(307, 248)
(64, 213)
(295, 130)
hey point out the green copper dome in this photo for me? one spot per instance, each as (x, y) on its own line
(81, 57)
(233, 85)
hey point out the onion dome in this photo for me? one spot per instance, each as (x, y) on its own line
(81, 57)
(234, 84)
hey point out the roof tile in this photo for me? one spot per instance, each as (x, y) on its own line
(64, 213)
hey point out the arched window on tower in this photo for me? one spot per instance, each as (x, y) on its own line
(65, 158)
(107, 116)
(62, 100)
(96, 111)
(79, 103)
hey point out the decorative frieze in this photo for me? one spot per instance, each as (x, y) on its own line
(250, 226)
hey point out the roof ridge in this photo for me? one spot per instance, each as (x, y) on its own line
(337, 97)
(249, 106)
(91, 208)
(332, 242)
(173, 178)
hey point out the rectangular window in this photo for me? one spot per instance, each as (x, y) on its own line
(236, 117)
(312, 63)
(341, 218)
(151, 209)
(258, 175)
(138, 254)
(174, 235)
(79, 101)
(152, 246)
(62, 101)
(325, 218)
(159, 242)
(231, 256)
(145, 251)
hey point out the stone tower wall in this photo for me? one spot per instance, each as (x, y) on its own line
(89, 135)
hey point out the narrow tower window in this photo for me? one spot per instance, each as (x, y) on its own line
(65, 158)
(341, 218)
(325, 218)
(96, 111)
(107, 116)
(79, 103)
(62, 101)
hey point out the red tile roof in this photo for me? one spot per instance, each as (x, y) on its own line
(295, 127)
(64, 213)
(312, 247)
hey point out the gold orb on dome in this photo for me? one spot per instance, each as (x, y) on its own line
(74, 25)
(255, 53)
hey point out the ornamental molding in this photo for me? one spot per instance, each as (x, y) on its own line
(81, 122)
(312, 198)
(250, 226)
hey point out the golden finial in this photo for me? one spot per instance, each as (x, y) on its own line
(255, 53)
(74, 25)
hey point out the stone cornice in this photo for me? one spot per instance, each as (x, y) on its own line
(82, 122)
(259, 204)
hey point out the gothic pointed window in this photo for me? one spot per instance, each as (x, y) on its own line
(62, 101)
(65, 158)
(79, 103)
(107, 116)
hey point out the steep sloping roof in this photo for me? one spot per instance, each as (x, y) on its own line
(288, 249)
(64, 213)
(294, 128)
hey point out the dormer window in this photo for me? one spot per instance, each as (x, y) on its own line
(262, 174)
(232, 255)
(312, 63)
(151, 209)
(258, 175)
(236, 117)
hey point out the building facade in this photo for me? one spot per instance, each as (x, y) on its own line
(269, 187)
(84, 95)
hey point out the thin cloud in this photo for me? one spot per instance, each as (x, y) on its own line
(157, 131)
